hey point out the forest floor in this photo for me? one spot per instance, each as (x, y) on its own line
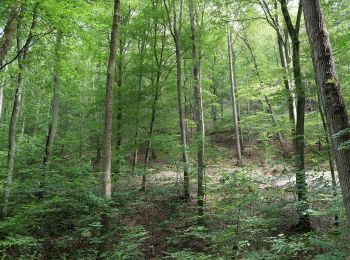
(171, 224)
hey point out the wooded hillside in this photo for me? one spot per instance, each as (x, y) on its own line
(175, 129)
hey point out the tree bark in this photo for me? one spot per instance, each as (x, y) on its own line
(13, 125)
(233, 98)
(107, 134)
(1, 99)
(283, 60)
(9, 31)
(159, 58)
(301, 185)
(329, 146)
(140, 77)
(55, 104)
(176, 33)
(5, 42)
(331, 96)
(198, 113)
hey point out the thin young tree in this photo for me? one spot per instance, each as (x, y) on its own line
(175, 31)
(55, 103)
(107, 134)
(301, 185)
(331, 96)
(233, 97)
(141, 53)
(23, 50)
(199, 116)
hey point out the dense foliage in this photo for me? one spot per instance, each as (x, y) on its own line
(54, 72)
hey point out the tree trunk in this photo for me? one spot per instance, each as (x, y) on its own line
(283, 52)
(55, 104)
(159, 58)
(198, 113)
(329, 146)
(331, 96)
(150, 133)
(136, 136)
(1, 99)
(233, 98)
(301, 185)
(236, 91)
(9, 31)
(275, 123)
(13, 125)
(107, 134)
(176, 33)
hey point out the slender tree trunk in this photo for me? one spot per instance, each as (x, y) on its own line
(97, 161)
(55, 104)
(142, 56)
(198, 113)
(233, 97)
(332, 99)
(182, 119)
(1, 100)
(214, 113)
(155, 82)
(236, 92)
(107, 134)
(176, 33)
(9, 31)
(13, 125)
(150, 134)
(301, 185)
(282, 49)
(275, 123)
(119, 118)
(329, 146)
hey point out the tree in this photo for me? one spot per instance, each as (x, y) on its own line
(55, 103)
(233, 97)
(301, 185)
(199, 116)
(176, 34)
(107, 135)
(9, 31)
(331, 96)
(17, 104)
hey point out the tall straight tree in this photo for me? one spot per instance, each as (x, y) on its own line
(107, 134)
(332, 99)
(55, 103)
(301, 185)
(199, 116)
(141, 54)
(233, 97)
(155, 82)
(22, 51)
(175, 31)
